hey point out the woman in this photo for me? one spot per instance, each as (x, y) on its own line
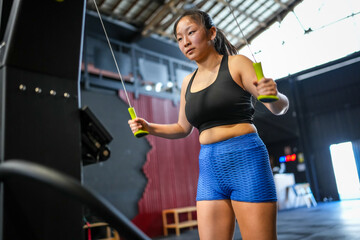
(235, 178)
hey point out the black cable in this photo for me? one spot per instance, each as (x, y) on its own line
(71, 187)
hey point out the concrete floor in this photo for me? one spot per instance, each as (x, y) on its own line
(338, 220)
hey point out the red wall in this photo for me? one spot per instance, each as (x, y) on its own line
(171, 166)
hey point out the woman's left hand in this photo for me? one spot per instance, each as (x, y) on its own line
(266, 86)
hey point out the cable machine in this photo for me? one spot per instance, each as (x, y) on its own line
(40, 59)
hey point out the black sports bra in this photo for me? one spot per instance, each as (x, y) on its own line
(224, 102)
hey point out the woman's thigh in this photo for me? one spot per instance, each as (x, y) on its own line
(216, 220)
(256, 220)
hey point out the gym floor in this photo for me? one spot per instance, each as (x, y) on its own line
(329, 220)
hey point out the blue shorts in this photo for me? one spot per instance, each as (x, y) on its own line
(237, 169)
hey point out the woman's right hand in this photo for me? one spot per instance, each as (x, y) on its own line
(138, 123)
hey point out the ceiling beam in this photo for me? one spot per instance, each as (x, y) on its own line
(158, 16)
(116, 5)
(130, 7)
(273, 18)
(239, 12)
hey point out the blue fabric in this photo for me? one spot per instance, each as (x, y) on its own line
(237, 169)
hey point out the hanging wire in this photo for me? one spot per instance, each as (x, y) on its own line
(242, 33)
(306, 31)
(112, 53)
(339, 20)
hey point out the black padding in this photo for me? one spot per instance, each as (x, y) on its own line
(72, 188)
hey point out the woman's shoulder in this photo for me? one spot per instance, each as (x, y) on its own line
(187, 79)
(238, 58)
(239, 63)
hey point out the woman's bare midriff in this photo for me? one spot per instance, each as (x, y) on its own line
(221, 133)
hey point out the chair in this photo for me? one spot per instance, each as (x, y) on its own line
(177, 224)
(303, 193)
(111, 234)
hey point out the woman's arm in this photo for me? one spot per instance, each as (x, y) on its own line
(180, 129)
(245, 75)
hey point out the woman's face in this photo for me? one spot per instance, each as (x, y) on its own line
(192, 38)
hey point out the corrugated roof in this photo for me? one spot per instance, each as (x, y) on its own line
(158, 16)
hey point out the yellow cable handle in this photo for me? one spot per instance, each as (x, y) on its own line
(140, 133)
(259, 74)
